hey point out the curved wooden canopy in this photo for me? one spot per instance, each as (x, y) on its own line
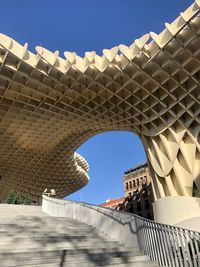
(49, 105)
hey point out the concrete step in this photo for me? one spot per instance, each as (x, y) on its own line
(95, 264)
(14, 227)
(113, 251)
(30, 244)
(81, 259)
(44, 239)
(60, 262)
(27, 240)
(50, 234)
(18, 229)
(43, 224)
(38, 220)
(43, 219)
(91, 257)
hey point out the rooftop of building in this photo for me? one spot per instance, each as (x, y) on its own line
(112, 202)
(136, 168)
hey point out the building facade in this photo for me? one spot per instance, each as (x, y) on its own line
(135, 178)
(138, 191)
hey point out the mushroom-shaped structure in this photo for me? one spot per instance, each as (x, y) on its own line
(49, 105)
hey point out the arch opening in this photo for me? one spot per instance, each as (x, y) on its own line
(109, 155)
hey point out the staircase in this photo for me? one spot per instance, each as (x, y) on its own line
(28, 237)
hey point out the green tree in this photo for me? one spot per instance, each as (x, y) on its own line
(11, 198)
(27, 200)
(17, 200)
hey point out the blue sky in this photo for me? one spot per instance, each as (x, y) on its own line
(87, 25)
(109, 155)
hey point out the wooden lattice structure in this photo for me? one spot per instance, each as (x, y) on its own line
(50, 105)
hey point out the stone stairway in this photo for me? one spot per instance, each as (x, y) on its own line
(28, 237)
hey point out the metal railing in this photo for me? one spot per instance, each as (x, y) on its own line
(170, 246)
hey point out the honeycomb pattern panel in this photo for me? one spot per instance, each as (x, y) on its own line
(50, 105)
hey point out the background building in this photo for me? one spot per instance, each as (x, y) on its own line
(113, 203)
(136, 178)
(138, 191)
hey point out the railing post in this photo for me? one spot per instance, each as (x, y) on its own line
(192, 249)
(169, 246)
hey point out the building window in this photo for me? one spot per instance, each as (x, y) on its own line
(126, 186)
(147, 204)
(134, 183)
(145, 179)
(131, 208)
(130, 185)
(138, 182)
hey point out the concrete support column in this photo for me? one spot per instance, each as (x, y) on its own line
(175, 210)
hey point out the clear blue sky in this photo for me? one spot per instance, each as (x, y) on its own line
(87, 25)
(109, 155)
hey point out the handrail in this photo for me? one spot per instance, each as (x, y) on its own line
(170, 246)
(100, 208)
(106, 212)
